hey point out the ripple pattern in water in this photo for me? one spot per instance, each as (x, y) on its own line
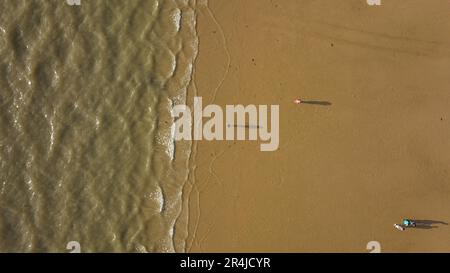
(86, 152)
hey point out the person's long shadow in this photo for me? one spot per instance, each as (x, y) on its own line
(317, 102)
(429, 224)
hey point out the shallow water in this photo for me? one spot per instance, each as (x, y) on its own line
(86, 152)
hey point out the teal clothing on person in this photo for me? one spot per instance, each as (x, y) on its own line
(406, 222)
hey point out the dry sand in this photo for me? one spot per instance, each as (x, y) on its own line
(345, 173)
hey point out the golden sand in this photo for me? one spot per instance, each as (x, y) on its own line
(344, 173)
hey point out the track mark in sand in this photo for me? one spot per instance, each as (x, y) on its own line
(195, 187)
(361, 38)
(372, 46)
(194, 234)
(191, 179)
(377, 34)
(198, 190)
(225, 46)
(211, 168)
(208, 231)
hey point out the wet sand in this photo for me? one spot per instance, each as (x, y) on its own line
(345, 172)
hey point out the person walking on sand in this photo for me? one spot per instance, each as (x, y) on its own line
(399, 227)
(409, 223)
(405, 224)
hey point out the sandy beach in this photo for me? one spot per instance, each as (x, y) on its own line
(346, 172)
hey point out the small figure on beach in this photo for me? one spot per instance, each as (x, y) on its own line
(399, 227)
(312, 102)
(409, 223)
(406, 223)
